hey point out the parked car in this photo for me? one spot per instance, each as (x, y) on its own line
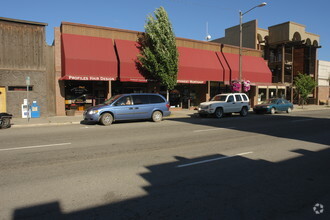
(224, 104)
(274, 105)
(5, 120)
(129, 107)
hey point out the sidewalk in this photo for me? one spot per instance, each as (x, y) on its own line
(66, 120)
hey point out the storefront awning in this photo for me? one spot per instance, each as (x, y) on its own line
(226, 68)
(198, 66)
(254, 69)
(127, 54)
(88, 58)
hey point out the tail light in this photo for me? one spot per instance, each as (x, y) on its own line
(168, 105)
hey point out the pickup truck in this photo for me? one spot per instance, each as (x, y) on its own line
(225, 103)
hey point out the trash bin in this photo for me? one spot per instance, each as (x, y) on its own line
(70, 112)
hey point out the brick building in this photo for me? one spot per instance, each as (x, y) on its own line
(289, 50)
(24, 53)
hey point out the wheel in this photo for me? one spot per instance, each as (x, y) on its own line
(5, 123)
(244, 112)
(272, 111)
(106, 119)
(218, 113)
(157, 116)
(289, 110)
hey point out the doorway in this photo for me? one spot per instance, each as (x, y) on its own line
(3, 101)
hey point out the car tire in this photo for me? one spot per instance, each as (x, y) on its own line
(157, 116)
(289, 110)
(244, 112)
(218, 113)
(106, 119)
(272, 111)
(5, 123)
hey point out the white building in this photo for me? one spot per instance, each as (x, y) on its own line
(323, 82)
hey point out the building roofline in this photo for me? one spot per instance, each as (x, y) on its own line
(23, 21)
(288, 22)
(99, 27)
(134, 32)
(262, 29)
(313, 34)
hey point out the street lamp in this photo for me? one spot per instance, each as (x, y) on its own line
(240, 37)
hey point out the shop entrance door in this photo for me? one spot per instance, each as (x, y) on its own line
(3, 107)
(100, 96)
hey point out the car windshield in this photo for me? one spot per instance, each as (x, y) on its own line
(270, 101)
(112, 99)
(219, 98)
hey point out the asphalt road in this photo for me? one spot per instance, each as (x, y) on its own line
(257, 167)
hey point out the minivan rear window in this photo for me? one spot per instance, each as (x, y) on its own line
(156, 99)
(140, 99)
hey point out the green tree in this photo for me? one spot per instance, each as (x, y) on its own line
(305, 85)
(158, 52)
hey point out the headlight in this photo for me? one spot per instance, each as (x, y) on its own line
(92, 112)
(267, 106)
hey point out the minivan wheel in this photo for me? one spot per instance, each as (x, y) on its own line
(157, 116)
(244, 112)
(106, 119)
(218, 113)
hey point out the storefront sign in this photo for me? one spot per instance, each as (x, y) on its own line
(79, 90)
(191, 81)
(90, 78)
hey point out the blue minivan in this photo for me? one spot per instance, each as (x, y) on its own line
(129, 107)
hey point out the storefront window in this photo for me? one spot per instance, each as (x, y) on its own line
(262, 95)
(281, 93)
(81, 95)
(272, 93)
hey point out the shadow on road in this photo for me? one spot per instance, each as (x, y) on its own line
(281, 125)
(227, 188)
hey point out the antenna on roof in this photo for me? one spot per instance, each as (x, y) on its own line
(208, 36)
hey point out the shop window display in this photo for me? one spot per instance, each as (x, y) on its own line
(80, 95)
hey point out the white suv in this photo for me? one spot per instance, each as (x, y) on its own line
(225, 103)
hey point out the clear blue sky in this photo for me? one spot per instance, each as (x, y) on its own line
(188, 17)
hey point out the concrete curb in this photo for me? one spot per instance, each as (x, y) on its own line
(44, 124)
(175, 114)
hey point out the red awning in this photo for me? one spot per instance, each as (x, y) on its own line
(88, 58)
(254, 69)
(198, 66)
(127, 53)
(225, 66)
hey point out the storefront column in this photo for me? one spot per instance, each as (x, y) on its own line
(59, 96)
(110, 88)
(283, 64)
(59, 84)
(208, 94)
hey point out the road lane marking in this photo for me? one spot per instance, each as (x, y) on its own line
(211, 160)
(310, 119)
(32, 147)
(213, 129)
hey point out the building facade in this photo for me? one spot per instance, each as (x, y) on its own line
(24, 53)
(289, 50)
(323, 82)
(93, 63)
